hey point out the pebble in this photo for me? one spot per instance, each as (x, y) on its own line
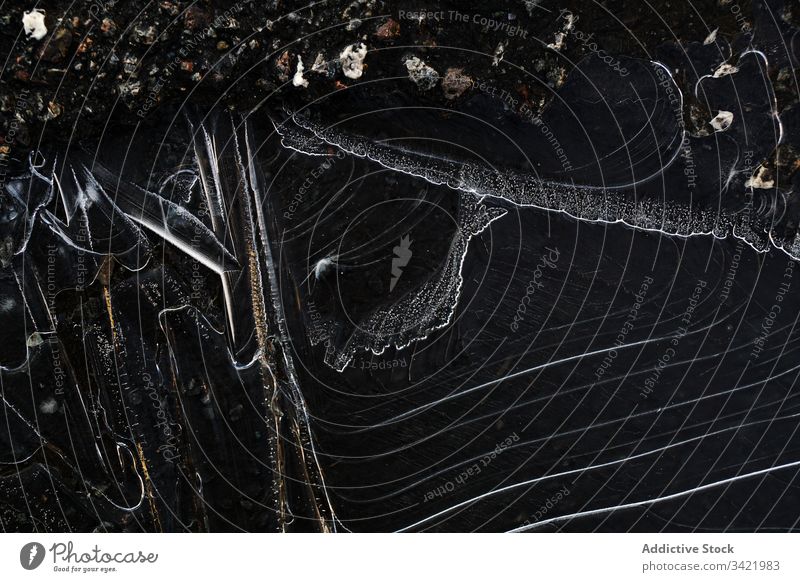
(455, 82)
(352, 59)
(33, 23)
(722, 121)
(424, 76)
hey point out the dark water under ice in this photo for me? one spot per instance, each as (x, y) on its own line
(370, 315)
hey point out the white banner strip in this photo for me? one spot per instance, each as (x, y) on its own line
(380, 557)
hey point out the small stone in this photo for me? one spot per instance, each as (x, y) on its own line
(352, 59)
(423, 76)
(388, 30)
(556, 77)
(455, 82)
(108, 27)
(48, 406)
(722, 121)
(58, 46)
(222, 45)
(236, 412)
(130, 89)
(264, 84)
(85, 45)
(498, 54)
(282, 64)
(761, 179)
(169, 7)
(725, 69)
(33, 24)
(298, 80)
(195, 18)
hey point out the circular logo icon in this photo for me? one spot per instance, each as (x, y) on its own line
(31, 555)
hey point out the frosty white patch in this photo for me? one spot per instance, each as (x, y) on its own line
(33, 24)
